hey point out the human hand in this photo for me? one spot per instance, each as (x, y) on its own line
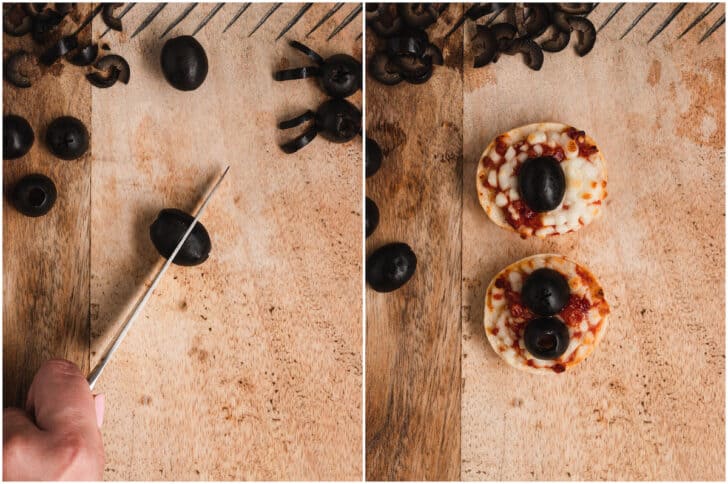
(57, 435)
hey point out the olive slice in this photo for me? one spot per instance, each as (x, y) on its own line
(297, 73)
(111, 61)
(560, 20)
(297, 121)
(586, 34)
(542, 183)
(167, 231)
(59, 49)
(114, 23)
(484, 46)
(390, 267)
(84, 56)
(16, 21)
(67, 138)
(384, 70)
(545, 292)
(311, 54)
(434, 54)
(412, 42)
(338, 120)
(18, 136)
(575, 8)
(557, 42)
(505, 34)
(419, 77)
(546, 338)
(184, 63)
(374, 10)
(299, 142)
(104, 80)
(44, 24)
(34, 195)
(418, 15)
(538, 20)
(532, 53)
(340, 76)
(373, 157)
(412, 66)
(20, 68)
(371, 217)
(386, 25)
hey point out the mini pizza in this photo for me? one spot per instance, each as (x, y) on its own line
(545, 313)
(542, 179)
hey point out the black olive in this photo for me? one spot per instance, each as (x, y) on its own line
(341, 75)
(390, 267)
(546, 338)
(184, 63)
(485, 46)
(16, 21)
(384, 70)
(67, 138)
(169, 228)
(18, 136)
(34, 195)
(531, 51)
(420, 15)
(373, 157)
(586, 34)
(433, 55)
(374, 10)
(338, 120)
(371, 216)
(111, 22)
(18, 69)
(545, 292)
(109, 62)
(84, 56)
(558, 41)
(410, 42)
(59, 49)
(542, 183)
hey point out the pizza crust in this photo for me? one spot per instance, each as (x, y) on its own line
(504, 329)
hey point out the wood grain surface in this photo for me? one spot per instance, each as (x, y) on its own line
(245, 367)
(413, 334)
(649, 403)
(46, 259)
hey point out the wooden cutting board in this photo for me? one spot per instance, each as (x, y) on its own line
(249, 365)
(649, 403)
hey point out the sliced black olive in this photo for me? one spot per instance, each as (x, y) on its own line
(373, 157)
(386, 25)
(59, 49)
(504, 33)
(546, 338)
(413, 67)
(18, 136)
(338, 120)
(371, 217)
(297, 73)
(109, 62)
(390, 267)
(419, 77)
(19, 68)
(169, 228)
(184, 63)
(542, 183)
(34, 195)
(374, 10)
(44, 24)
(84, 56)
(104, 80)
(531, 51)
(341, 75)
(538, 20)
(434, 54)
(384, 70)
(586, 33)
(418, 15)
(575, 8)
(114, 23)
(299, 142)
(16, 21)
(484, 46)
(410, 42)
(557, 42)
(67, 138)
(310, 53)
(560, 20)
(297, 121)
(545, 292)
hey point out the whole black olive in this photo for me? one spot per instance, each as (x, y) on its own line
(546, 338)
(542, 183)
(67, 138)
(34, 195)
(390, 267)
(168, 230)
(371, 216)
(18, 136)
(184, 63)
(373, 157)
(545, 292)
(341, 75)
(338, 120)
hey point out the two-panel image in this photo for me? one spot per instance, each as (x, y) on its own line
(363, 241)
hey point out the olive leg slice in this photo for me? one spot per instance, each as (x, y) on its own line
(485, 46)
(113, 60)
(434, 54)
(383, 70)
(102, 81)
(297, 73)
(114, 23)
(310, 53)
(557, 42)
(297, 121)
(299, 142)
(14, 72)
(85, 56)
(587, 34)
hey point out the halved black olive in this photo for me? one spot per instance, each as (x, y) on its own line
(542, 183)
(16, 21)
(484, 46)
(531, 51)
(44, 24)
(434, 54)
(341, 75)
(557, 42)
(545, 292)
(373, 158)
(386, 25)
(374, 10)
(371, 217)
(84, 56)
(338, 120)
(114, 23)
(34, 195)
(59, 49)
(184, 63)
(418, 15)
(575, 8)
(67, 138)
(105, 79)
(587, 34)
(384, 70)
(169, 228)
(18, 136)
(20, 68)
(546, 338)
(390, 267)
(109, 62)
